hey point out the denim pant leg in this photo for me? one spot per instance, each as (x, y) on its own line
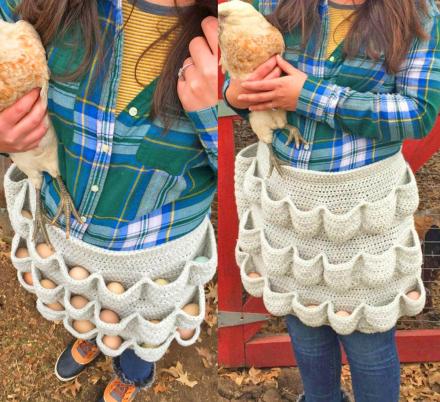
(131, 369)
(318, 355)
(374, 365)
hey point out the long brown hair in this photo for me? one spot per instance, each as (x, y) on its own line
(379, 26)
(54, 18)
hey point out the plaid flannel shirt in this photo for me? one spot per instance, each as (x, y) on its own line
(133, 185)
(351, 110)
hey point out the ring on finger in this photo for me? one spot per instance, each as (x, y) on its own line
(180, 74)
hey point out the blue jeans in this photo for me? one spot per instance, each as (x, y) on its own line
(131, 369)
(373, 359)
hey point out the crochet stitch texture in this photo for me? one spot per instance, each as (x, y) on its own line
(328, 242)
(143, 300)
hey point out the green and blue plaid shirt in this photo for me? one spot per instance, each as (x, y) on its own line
(351, 110)
(134, 186)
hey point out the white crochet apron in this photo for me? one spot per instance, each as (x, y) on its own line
(143, 299)
(330, 242)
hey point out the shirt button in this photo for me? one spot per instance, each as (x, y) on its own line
(94, 188)
(83, 219)
(332, 59)
(105, 148)
(306, 146)
(133, 111)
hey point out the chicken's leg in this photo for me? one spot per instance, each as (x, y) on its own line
(294, 134)
(274, 162)
(40, 220)
(66, 207)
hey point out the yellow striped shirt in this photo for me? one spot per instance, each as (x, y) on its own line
(340, 23)
(147, 22)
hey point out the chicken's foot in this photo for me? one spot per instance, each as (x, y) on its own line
(40, 221)
(294, 134)
(66, 207)
(274, 162)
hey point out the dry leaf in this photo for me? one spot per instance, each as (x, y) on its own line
(180, 375)
(72, 387)
(160, 388)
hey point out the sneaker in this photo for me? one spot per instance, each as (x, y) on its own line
(117, 391)
(75, 358)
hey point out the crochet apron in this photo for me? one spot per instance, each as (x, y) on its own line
(178, 261)
(323, 244)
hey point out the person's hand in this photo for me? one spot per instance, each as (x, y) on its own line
(279, 93)
(197, 87)
(266, 71)
(22, 125)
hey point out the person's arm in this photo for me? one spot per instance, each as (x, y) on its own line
(7, 8)
(206, 126)
(409, 113)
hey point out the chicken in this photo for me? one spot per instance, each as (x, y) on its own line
(23, 67)
(247, 40)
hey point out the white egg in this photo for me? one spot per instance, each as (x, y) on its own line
(115, 287)
(48, 284)
(113, 342)
(44, 250)
(83, 326)
(79, 273)
(202, 259)
(78, 301)
(22, 252)
(161, 281)
(109, 316)
(27, 277)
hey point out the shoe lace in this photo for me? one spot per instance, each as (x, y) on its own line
(87, 347)
(121, 388)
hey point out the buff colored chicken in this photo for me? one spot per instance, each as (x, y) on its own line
(23, 67)
(247, 40)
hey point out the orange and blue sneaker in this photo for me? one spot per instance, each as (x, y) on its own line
(118, 391)
(75, 358)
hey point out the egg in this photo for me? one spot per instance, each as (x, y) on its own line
(155, 321)
(148, 345)
(79, 273)
(161, 281)
(115, 287)
(312, 306)
(191, 309)
(44, 250)
(113, 342)
(343, 313)
(26, 214)
(201, 259)
(109, 316)
(83, 326)
(55, 306)
(27, 277)
(78, 301)
(48, 284)
(254, 275)
(22, 252)
(186, 333)
(414, 295)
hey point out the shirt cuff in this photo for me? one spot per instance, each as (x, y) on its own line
(206, 124)
(318, 100)
(244, 113)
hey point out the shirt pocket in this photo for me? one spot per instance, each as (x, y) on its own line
(62, 98)
(172, 152)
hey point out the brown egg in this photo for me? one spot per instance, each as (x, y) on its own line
(312, 305)
(161, 281)
(109, 316)
(186, 333)
(113, 342)
(191, 309)
(155, 321)
(343, 313)
(27, 277)
(115, 287)
(48, 284)
(78, 301)
(22, 252)
(83, 326)
(44, 250)
(55, 306)
(26, 214)
(254, 275)
(79, 273)
(414, 295)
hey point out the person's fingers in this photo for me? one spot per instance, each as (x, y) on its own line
(210, 30)
(264, 69)
(261, 86)
(257, 98)
(189, 69)
(262, 106)
(275, 73)
(285, 65)
(37, 134)
(14, 113)
(33, 119)
(200, 52)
